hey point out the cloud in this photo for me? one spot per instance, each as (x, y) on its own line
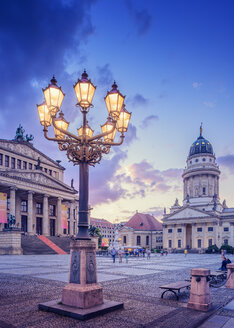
(130, 135)
(142, 18)
(104, 188)
(139, 100)
(149, 120)
(156, 211)
(197, 85)
(105, 76)
(227, 161)
(210, 104)
(162, 95)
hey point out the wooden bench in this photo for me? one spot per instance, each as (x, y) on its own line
(175, 288)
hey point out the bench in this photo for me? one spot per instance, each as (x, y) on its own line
(217, 278)
(175, 288)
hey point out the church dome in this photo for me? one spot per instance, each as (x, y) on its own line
(201, 146)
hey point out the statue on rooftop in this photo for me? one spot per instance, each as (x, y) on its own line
(19, 135)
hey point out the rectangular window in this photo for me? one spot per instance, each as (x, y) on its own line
(24, 165)
(225, 241)
(169, 243)
(18, 164)
(68, 227)
(204, 190)
(50, 172)
(8, 203)
(74, 228)
(210, 228)
(45, 170)
(68, 212)
(159, 239)
(179, 230)
(7, 160)
(225, 229)
(24, 206)
(35, 166)
(179, 243)
(138, 240)
(39, 208)
(199, 243)
(169, 230)
(64, 231)
(1, 159)
(210, 243)
(12, 162)
(52, 210)
(199, 229)
(74, 214)
(30, 166)
(125, 239)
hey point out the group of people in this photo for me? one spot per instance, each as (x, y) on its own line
(126, 254)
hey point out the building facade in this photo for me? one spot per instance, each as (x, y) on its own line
(35, 189)
(202, 220)
(142, 230)
(107, 229)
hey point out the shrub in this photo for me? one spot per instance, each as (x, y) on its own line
(213, 249)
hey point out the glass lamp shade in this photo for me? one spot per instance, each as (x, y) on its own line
(44, 114)
(61, 123)
(87, 131)
(84, 90)
(53, 97)
(108, 126)
(114, 101)
(123, 120)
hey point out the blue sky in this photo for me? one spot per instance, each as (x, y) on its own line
(173, 60)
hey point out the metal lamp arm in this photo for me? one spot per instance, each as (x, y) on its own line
(45, 130)
(98, 136)
(65, 132)
(114, 143)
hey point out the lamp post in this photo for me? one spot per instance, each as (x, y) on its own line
(84, 150)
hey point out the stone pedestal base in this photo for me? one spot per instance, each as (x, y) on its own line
(82, 297)
(10, 242)
(200, 290)
(57, 307)
(230, 270)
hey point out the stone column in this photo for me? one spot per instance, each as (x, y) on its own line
(59, 216)
(193, 234)
(231, 233)
(30, 213)
(183, 242)
(200, 290)
(45, 228)
(12, 200)
(230, 272)
(71, 219)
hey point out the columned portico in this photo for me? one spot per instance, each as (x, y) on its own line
(12, 200)
(45, 216)
(59, 216)
(30, 213)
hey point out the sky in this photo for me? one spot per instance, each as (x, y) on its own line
(174, 61)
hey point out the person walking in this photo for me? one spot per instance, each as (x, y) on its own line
(148, 254)
(185, 252)
(120, 253)
(113, 253)
(126, 253)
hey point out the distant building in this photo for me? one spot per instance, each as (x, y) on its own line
(107, 229)
(142, 230)
(202, 220)
(35, 189)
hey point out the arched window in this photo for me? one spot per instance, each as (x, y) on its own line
(138, 240)
(147, 240)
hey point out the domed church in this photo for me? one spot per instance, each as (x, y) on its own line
(202, 220)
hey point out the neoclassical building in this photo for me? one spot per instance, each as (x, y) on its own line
(142, 230)
(35, 189)
(202, 220)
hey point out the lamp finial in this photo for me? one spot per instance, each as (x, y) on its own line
(201, 129)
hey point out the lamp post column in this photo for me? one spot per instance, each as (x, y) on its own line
(83, 223)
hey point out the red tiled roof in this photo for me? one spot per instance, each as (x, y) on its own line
(141, 221)
(101, 223)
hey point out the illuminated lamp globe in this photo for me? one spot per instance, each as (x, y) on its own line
(60, 123)
(123, 120)
(108, 126)
(44, 114)
(87, 131)
(53, 97)
(114, 101)
(84, 90)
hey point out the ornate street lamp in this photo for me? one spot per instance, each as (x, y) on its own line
(83, 149)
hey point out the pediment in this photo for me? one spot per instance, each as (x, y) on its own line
(36, 178)
(187, 212)
(123, 229)
(26, 149)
